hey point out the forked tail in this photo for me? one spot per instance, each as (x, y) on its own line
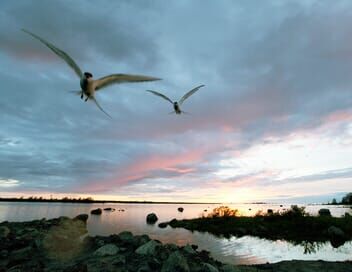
(96, 103)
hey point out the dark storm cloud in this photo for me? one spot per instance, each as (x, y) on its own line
(270, 69)
(83, 28)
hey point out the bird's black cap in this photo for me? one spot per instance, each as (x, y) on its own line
(87, 74)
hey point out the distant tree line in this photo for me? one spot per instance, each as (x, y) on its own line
(88, 200)
(42, 199)
(346, 200)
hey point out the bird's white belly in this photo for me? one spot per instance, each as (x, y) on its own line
(90, 89)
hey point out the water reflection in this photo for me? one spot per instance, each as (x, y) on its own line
(243, 250)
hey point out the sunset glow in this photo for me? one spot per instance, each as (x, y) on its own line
(273, 122)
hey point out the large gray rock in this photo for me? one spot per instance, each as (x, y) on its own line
(126, 236)
(96, 211)
(189, 249)
(151, 218)
(337, 236)
(107, 250)
(175, 262)
(4, 232)
(82, 217)
(119, 260)
(149, 248)
(109, 209)
(172, 247)
(324, 212)
(162, 225)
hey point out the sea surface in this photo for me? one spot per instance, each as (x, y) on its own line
(244, 250)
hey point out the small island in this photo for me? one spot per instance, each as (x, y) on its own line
(294, 225)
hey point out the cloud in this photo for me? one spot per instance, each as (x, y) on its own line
(8, 183)
(334, 175)
(273, 71)
(80, 28)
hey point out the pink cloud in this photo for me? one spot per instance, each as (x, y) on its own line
(339, 116)
(144, 167)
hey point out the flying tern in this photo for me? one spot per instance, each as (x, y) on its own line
(89, 85)
(177, 104)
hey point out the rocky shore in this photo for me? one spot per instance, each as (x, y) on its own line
(62, 244)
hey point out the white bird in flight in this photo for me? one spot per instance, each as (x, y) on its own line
(176, 104)
(89, 85)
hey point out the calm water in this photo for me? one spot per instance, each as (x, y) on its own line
(244, 250)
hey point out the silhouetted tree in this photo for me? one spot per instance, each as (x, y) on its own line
(347, 199)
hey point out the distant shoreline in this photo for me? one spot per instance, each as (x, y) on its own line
(92, 201)
(85, 201)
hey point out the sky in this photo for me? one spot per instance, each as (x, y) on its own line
(273, 122)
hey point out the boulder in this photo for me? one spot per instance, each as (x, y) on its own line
(171, 247)
(4, 232)
(324, 212)
(126, 236)
(189, 249)
(173, 221)
(96, 211)
(141, 240)
(107, 250)
(162, 225)
(149, 248)
(82, 217)
(180, 209)
(151, 218)
(175, 262)
(337, 236)
(109, 209)
(270, 211)
(119, 260)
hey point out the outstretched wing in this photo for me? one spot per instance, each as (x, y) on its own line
(58, 52)
(189, 94)
(161, 95)
(96, 103)
(120, 78)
